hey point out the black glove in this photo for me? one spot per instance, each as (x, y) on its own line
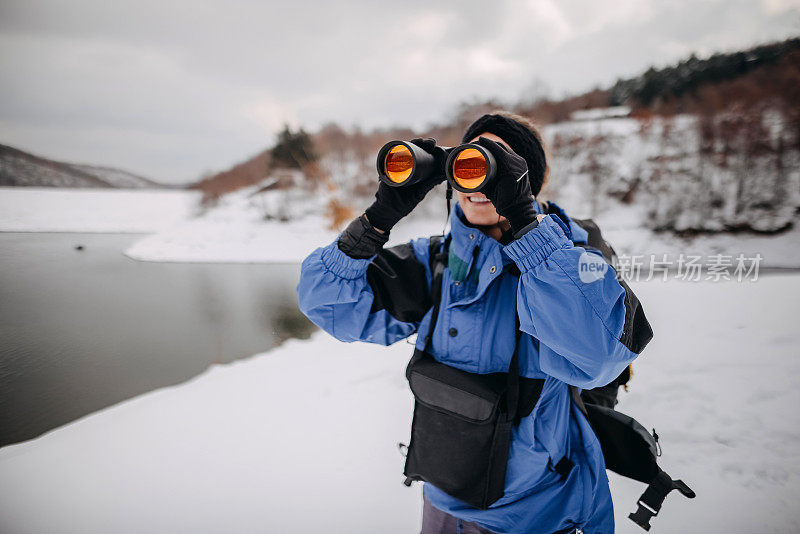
(360, 240)
(393, 203)
(510, 191)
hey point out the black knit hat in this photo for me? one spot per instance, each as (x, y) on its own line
(520, 138)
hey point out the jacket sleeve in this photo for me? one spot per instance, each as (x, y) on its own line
(589, 324)
(380, 299)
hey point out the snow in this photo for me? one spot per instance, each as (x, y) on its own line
(235, 231)
(31, 209)
(597, 160)
(684, 177)
(303, 438)
(200, 240)
(621, 228)
(600, 113)
(18, 168)
(116, 177)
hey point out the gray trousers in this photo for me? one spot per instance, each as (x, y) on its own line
(434, 521)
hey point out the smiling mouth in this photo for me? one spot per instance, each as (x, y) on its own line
(478, 200)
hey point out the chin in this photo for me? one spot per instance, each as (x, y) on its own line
(482, 220)
(483, 214)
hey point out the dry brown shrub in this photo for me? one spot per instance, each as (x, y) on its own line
(338, 213)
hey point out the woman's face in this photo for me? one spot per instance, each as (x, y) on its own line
(476, 207)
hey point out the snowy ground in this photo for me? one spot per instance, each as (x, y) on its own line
(32, 209)
(303, 438)
(236, 231)
(201, 240)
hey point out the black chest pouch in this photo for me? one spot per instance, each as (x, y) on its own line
(461, 429)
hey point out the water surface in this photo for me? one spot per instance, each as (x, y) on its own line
(84, 329)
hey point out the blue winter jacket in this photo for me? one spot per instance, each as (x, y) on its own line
(579, 327)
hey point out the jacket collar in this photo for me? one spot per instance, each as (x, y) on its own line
(470, 248)
(475, 259)
(465, 236)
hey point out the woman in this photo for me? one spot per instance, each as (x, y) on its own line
(505, 248)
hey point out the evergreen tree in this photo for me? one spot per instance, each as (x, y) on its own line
(293, 149)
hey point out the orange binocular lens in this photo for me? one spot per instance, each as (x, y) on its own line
(469, 168)
(398, 164)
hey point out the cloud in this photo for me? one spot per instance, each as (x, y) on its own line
(173, 88)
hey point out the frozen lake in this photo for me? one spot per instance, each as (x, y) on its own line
(81, 330)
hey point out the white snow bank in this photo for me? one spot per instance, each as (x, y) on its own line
(600, 113)
(303, 439)
(200, 240)
(236, 231)
(31, 209)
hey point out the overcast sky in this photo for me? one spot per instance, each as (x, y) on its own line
(174, 88)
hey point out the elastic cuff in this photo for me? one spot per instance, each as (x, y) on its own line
(538, 243)
(343, 265)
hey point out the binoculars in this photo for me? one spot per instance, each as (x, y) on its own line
(469, 167)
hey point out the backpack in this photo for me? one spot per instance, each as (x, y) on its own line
(628, 448)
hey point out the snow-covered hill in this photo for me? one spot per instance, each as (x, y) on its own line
(117, 177)
(686, 174)
(18, 168)
(649, 184)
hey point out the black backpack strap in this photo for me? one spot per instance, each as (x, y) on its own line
(575, 393)
(434, 249)
(513, 391)
(631, 451)
(523, 393)
(437, 260)
(653, 497)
